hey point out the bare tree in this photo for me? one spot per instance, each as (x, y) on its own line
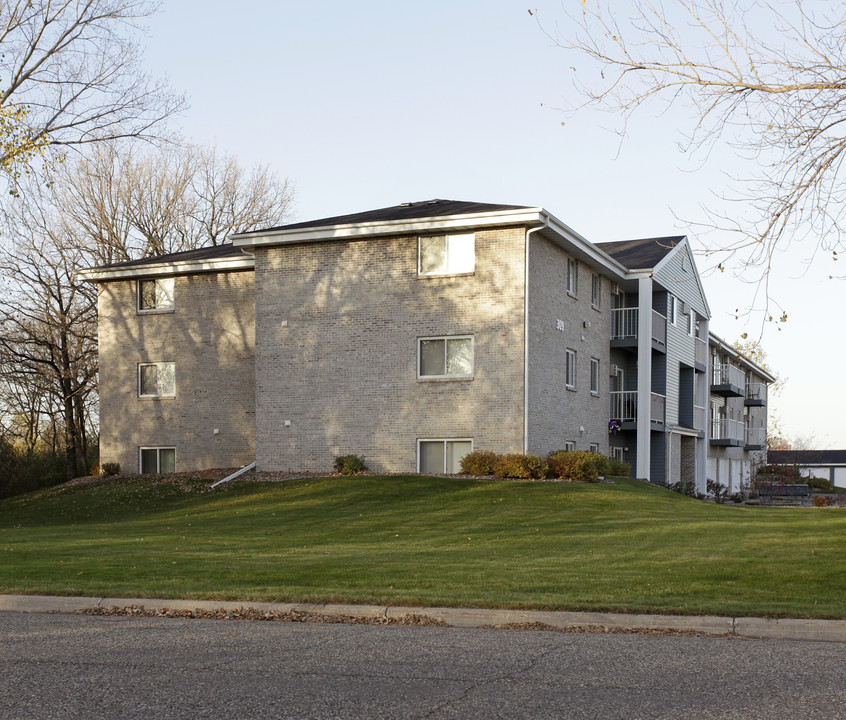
(768, 77)
(118, 204)
(71, 75)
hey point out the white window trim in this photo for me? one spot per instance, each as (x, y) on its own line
(593, 447)
(158, 449)
(617, 452)
(595, 362)
(148, 364)
(691, 324)
(155, 310)
(569, 445)
(472, 340)
(443, 440)
(574, 290)
(674, 310)
(446, 237)
(567, 354)
(595, 302)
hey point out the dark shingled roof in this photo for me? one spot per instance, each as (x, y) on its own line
(215, 252)
(640, 254)
(405, 211)
(806, 457)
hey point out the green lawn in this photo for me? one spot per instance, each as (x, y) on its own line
(426, 541)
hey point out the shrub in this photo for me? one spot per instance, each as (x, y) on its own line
(577, 465)
(718, 491)
(479, 462)
(110, 469)
(683, 487)
(815, 483)
(778, 474)
(820, 501)
(613, 466)
(349, 464)
(520, 466)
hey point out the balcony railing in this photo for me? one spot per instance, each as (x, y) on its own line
(659, 408)
(624, 325)
(725, 429)
(701, 356)
(756, 436)
(728, 374)
(624, 406)
(698, 418)
(756, 392)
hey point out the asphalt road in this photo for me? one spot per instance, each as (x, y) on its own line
(67, 666)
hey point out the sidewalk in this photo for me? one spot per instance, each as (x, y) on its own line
(748, 627)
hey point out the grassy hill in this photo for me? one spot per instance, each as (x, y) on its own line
(426, 541)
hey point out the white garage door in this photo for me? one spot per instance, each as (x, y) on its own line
(840, 477)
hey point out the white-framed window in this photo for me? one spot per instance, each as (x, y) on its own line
(617, 452)
(446, 254)
(593, 447)
(155, 295)
(442, 455)
(691, 324)
(445, 357)
(156, 460)
(572, 277)
(157, 379)
(570, 369)
(569, 445)
(594, 376)
(595, 290)
(673, 310)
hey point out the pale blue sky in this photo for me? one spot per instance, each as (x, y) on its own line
(369, 104)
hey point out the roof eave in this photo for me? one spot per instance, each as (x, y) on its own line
(185, 267)
(281, 236)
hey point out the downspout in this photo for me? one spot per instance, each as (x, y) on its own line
(237, 473)
(526, 342)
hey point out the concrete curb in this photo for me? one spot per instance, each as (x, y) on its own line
(749, 627)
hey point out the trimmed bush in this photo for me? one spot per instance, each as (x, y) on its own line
(577, 465)
(617, 467)
(110, 469)
(815, 483)
(820, 501)
(349, 464)
(479, 462)
(517, 466)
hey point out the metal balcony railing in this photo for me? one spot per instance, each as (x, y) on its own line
(659, 408)
(725, 429)
(624, 405)
(623, 323)
(727, 374)
(756, 391)
(756, 436)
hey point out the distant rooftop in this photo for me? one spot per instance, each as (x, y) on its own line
(215, 252)
(806, 457)
(640, 254)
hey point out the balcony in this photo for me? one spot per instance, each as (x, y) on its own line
(624, 408)
(756, 394)
(728, 433)
(700, 361)
(699, 418)
(756, 438)
(624, 329)
(728, 380)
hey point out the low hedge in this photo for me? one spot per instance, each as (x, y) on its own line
(577, 465)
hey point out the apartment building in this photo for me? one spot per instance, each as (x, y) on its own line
(411, 335)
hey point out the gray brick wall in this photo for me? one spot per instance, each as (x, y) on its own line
(557, 414)
(210, 336)
(337, 364)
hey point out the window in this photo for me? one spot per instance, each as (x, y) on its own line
(673, 310)
(572, 277)
(446, 254)
(569, 445)
(570, 369)
(442, 456)
(445, 357)
(155, 295)
(594, 448)
(157, 379)
(157, 460)
(594, 376)
(617, 453)
(691, 324)
(595, 290)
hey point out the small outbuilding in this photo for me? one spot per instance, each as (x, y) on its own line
(827, 464)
